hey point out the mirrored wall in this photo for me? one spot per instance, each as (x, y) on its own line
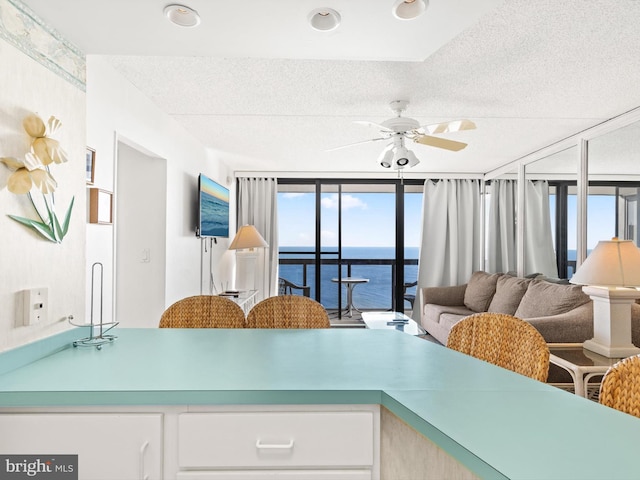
(551, 214)
(614, 184)
(573, 194)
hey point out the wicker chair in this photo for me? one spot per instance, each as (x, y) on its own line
(620, 387)
(503, 340)
(203, 311)
(288, 311)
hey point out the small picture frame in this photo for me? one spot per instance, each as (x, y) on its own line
(90, 166)
(100, 206)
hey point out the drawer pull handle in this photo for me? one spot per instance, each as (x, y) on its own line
(274, 446)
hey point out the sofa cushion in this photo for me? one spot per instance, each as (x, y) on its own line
(480, 290)
(509, 293)
(435, 312)
(543, 299)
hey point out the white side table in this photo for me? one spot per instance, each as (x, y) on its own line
(583, 365)
(246, 299)
(351, 283)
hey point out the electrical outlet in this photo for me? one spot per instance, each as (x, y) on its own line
(35, 305)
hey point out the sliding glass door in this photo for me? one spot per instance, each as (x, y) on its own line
(359, 259)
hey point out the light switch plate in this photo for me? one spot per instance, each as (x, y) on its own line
(35, 305)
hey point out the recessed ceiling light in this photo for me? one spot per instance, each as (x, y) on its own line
(409, 9)
(324, 19)
(182, 15)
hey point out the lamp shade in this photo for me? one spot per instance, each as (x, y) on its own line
(248, 237)
(613, 263)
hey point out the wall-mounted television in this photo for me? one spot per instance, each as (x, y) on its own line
(213, 208)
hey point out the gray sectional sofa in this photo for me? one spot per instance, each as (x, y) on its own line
(561, 313)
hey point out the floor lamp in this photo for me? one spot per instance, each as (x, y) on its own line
(610, 275)
(245, 243)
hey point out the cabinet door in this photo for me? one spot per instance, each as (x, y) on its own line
(109, 446)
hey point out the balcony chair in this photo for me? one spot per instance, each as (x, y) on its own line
(203, 311)
(410, 297)
(285, 287)
(503, 340)
(288, 311)
(620, 387)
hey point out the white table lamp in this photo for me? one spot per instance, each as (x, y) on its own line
(247, 239)
(610, 274)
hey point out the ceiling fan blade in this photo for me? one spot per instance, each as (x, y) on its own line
(439, 142)
(373, 124)
(448, 127)
(356, 143)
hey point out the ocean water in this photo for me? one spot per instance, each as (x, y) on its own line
(376, 294)
(214, 216)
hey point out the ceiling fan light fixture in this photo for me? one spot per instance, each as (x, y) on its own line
(404, 158)
(409, 9)
(324, 19)
(182, 15)
(386, 158)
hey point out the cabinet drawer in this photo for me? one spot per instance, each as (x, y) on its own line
(275, 439)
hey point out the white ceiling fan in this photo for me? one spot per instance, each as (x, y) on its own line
(399, 128)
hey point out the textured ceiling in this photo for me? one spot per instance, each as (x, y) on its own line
(274, 95)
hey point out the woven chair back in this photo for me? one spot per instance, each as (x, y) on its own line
(503, 340)
(288, 311)
(620, 387)
(203, 311)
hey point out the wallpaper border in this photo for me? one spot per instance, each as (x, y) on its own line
(21, 27)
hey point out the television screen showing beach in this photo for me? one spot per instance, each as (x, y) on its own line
(214, 209)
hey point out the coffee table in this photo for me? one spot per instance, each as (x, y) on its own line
(585, 367)
(392, 321)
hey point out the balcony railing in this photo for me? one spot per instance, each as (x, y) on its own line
(378, 293)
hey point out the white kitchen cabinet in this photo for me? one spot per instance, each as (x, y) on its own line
(110, 446)
(181, 442)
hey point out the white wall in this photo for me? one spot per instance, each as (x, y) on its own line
(116, 111)
(28, 260)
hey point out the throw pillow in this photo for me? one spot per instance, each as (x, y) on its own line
(480, 290)
(543, 299)
(509, 293)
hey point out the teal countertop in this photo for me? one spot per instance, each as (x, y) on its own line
(497, 423)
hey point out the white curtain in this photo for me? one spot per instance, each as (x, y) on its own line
(501, 227)
(258, 206)
(449, 250)
(539, 253)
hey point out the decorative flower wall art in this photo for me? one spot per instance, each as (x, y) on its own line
(33, 175)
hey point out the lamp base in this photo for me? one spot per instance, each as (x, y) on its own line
(245, 269)
(611, 351)
(612, 321)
